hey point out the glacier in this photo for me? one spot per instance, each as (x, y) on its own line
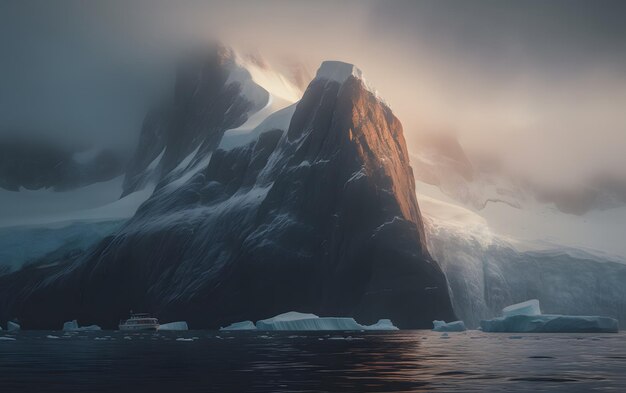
(442, 326)
(488, 271)
(22, 245)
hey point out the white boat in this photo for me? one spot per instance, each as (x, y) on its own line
(139, 322)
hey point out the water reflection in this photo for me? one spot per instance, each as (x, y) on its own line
(413, 361)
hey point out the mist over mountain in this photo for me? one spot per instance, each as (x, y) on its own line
(122, 130)
(518, 82)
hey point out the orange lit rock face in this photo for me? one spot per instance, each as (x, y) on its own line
(381, 146)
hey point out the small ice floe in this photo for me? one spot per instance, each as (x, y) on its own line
(526, 317)
(349, 338)
(175, 326)
(4, 338)
(184, 339)
(442, 326)
(529, 307)
(244, 325)
(72, 326)
(127, 338)
(52, 337)
(100, 338)
(445, 335)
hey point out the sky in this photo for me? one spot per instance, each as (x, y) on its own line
(537, 85)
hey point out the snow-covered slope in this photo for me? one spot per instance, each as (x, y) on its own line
(220, 100)
(20, 245)
(500, 240)
(213, 93)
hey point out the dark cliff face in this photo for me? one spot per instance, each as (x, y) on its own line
(206, 102)
(321, 217)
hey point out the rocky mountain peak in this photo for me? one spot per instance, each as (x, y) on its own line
(318, 214)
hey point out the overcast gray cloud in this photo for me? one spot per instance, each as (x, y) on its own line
(539, 83)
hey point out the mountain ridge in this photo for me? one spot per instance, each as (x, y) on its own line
(274, 225)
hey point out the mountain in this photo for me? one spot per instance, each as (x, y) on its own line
(212, 94)
(312, 209)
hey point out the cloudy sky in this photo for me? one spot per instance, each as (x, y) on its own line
(539, 84)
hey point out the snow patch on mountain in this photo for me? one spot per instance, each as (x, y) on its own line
(338, 71)
(278, 120)
(277, 110)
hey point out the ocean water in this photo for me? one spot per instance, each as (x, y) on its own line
(405, 361)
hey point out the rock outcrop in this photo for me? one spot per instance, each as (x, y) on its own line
(320, 217)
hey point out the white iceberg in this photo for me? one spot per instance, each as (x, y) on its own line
(180, 325)
(442, 326)
(551, 324)
(382, 324)
(529, 307)
(243, 325)
(521, 318)
(298, 321)
(72, 326)
(12, 326)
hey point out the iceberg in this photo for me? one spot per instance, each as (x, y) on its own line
(12, 326)
(244, 325)
(529, 307)
(442, 326)
(299, 321)
(524, 318)
(180, 325)
(382, 324)
(72, 326)
(551, 324)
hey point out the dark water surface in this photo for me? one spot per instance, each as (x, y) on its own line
(407, 361)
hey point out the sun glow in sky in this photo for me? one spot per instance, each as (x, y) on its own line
(538, 86)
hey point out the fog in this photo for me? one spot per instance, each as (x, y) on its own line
(539, 86)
